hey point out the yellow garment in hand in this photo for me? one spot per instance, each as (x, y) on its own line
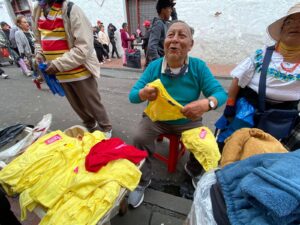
(164, 107)
(202, 143)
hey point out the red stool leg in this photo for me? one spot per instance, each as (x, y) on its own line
(173, 153)
(181, 150)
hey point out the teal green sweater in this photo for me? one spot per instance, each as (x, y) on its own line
(183, 89)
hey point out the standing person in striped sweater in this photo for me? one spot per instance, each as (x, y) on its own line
(65, 42)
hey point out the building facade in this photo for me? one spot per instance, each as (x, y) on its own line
(14, 8)
(225, 31)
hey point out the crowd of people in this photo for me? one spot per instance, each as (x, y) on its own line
(19, 40)
(63, 40)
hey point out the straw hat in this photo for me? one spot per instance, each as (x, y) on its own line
(274, 29)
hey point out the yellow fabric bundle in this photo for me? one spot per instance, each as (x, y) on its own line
(51, 173)
(247, 142)
(91, 195)
(202, 143)
(25, 170)
(164, 107)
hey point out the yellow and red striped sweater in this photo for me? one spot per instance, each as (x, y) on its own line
(54, 43)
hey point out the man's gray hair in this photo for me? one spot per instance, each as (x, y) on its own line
(181, 21)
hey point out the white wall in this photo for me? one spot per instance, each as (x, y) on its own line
(4, 15)
(236, 32)
(107, 11)
(225, 39)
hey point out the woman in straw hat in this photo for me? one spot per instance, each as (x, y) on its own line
(283, 74)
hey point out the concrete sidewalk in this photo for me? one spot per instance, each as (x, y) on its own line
(220, 71)
(158, 208)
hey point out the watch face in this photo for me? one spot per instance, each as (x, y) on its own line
(211, 104)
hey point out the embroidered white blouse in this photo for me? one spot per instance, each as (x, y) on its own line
(280, 84)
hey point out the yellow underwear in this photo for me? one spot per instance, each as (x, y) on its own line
(164, 108)
(202, 143)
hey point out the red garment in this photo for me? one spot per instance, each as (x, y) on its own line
(112, 149)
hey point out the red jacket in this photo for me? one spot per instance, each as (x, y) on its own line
(125, 38)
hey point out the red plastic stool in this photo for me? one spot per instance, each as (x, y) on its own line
(176, 151)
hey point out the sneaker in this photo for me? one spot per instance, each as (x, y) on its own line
(101, 63)
(136, 197)
(195, 179)
(93, 128)
(28, 74)
(4, 76)
(109, 60)
(186, 169)
(108, 134)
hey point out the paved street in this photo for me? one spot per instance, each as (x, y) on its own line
(22, 102)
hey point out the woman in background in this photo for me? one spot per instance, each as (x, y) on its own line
(125, 37)
(104, 40)
(25, 43)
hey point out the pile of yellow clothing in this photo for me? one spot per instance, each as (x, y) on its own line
(202, 143)
(247, 142)
(164, 107)
(51, 173)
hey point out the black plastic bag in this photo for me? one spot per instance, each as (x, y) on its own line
(9, 133)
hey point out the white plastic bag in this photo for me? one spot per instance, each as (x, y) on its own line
(201, 212)
(32, 134)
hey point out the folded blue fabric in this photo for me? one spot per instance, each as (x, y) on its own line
(263, 189)
(51, 81)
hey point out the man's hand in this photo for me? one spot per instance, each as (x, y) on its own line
(195, 109)
(148, 93)
(51, 70)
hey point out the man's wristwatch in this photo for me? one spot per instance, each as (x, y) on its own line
(211, 104)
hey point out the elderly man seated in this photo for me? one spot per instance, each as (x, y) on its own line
(184, 78)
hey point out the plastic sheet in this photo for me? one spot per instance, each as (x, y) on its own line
(201, 212)
(32, 134)
(243, 118)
